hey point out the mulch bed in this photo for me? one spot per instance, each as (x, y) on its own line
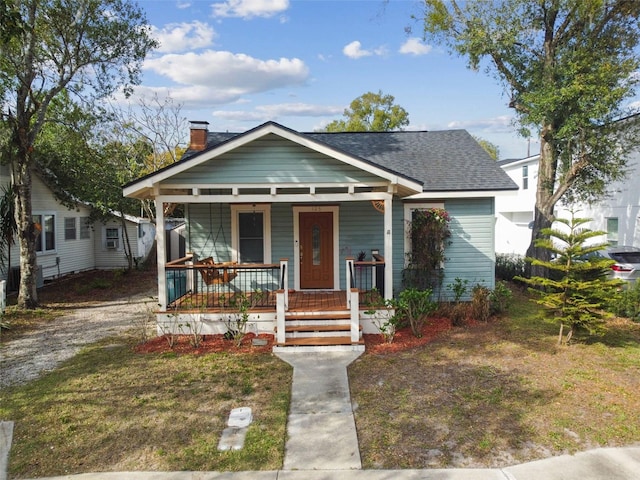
(209, 344)
(375, 344)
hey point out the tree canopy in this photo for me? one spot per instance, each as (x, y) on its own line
(371, 112)
(84, 49)
(568, 68)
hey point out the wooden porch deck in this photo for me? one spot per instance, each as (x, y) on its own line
(299, 301)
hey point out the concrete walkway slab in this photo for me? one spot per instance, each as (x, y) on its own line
(6, 437)
(321, 430)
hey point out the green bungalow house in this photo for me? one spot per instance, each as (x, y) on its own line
(311, 228)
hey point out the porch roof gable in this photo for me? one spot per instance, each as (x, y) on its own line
(144, 186)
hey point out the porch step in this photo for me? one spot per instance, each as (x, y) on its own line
(319, 344)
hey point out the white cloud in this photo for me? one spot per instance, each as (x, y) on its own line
(183, 5)
(191, 97)
(179, 37)
(414, 46)
(503, 123)
(273, 112)
(354, 50)
(233, 74)
(249, 8)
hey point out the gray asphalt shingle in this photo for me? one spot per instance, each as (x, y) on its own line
(448, 160)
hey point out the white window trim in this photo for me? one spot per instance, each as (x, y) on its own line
(336, 241)
(76, 234)
(408, 215)
(120, 238)
(265, 209)
(55, 232)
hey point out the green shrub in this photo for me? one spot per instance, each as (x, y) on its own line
(627, 304)
(414, 306)
(509, 265)
(500, 298)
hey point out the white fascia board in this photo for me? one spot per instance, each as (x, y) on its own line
(267, 198)
(454, 194)
(524, 161)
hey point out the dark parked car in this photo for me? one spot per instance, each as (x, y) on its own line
(627, 266)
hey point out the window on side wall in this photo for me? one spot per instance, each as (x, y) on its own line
(112, 238)
(45, 224)
(251, 227)
(70, 228)
(612, 231)
(525, 177)
(85, 227)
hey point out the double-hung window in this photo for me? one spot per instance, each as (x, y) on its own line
(45, 224)
(251, 227)
(112, 238)
(70, 228)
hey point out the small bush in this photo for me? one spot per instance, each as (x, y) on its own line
(500, 298)
(627, 304)
(509, 265)
(414, 306)
(480, 303)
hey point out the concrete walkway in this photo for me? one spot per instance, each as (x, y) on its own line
(322, 443)
(321, 430)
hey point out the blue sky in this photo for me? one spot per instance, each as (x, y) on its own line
(239, 63)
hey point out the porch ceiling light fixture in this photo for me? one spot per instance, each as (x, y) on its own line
(378, 205)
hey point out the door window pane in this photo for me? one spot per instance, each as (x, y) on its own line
(315, 240)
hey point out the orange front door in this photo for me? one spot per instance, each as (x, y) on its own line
(316, 250)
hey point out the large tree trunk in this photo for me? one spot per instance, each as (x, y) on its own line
(545, 201)
(27, 292)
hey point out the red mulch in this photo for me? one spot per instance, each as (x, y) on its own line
(404, 339)
(209, 344)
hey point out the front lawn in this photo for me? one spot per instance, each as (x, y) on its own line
(498, 394)
(110, 409)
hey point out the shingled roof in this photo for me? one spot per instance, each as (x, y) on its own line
(443, 161)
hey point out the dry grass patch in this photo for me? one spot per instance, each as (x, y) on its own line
(110, 409)
(498, 394)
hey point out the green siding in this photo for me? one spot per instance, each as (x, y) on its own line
(471, 255)
(209, 231)
(272, 161)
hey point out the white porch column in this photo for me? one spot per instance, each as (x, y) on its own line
(280, 314)
(161, 247)
(388, 247)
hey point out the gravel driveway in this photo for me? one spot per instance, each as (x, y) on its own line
(42, 350)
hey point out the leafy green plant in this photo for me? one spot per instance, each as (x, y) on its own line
(578, 288)
(386, 323)
(429, 231)
(237, 321)
(500, 298)
(509, 266)
(459, 288)
(414, 306)
(627, 304)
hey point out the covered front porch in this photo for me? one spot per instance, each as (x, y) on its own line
(203, 296)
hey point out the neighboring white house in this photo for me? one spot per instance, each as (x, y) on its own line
(69, 243)
(618, 214)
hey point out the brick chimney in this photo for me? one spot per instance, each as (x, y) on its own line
(199, 130)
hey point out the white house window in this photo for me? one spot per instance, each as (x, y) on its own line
(46, 228)
(70, 228)
(525, 177)
(85, 228)
(112, 238)
(612, 231)
(251, 229)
